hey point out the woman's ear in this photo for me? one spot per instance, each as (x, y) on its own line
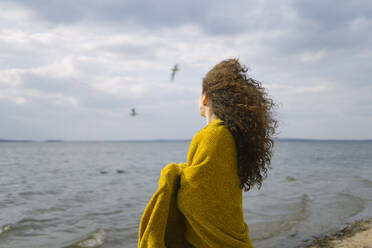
(205, 99)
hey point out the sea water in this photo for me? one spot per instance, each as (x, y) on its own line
(92, 194)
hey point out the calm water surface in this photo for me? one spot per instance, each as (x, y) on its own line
(93, 194)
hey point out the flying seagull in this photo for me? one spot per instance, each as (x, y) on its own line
(174, 70)
(133, 113)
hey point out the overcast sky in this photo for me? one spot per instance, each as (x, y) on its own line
(74, 69)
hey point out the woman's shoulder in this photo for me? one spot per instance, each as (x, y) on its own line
(212, 139)
(214, 132)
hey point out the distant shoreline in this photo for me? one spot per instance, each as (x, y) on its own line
(89, 141)
(172, 140)
(15, 141)
(321, 140)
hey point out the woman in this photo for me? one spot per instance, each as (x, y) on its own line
(230, 154)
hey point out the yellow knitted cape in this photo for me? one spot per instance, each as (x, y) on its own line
(200, 202)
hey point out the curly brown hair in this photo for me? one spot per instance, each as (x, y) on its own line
(247, 111)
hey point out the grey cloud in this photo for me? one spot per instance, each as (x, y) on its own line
(101, 100)
(47, 84)
(325, 25)
(132, 50)
(151, 13)
(89, 97)
(331, 15)
(54, 11)
(224, 25)
(25, 56)
(214, 17)
(42, 119)
(86, 96)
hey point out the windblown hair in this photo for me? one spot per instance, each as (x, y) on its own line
(247, 111)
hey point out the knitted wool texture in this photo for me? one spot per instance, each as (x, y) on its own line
(200, 202)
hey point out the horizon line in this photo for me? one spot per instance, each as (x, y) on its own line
(162, 140)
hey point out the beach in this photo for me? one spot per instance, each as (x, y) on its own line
(357, 234)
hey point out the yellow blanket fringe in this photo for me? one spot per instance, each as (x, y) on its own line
(200, 202)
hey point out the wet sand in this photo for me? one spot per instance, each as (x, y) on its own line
(357, 234)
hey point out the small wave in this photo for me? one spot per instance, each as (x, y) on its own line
(304, 206)
(31, 220)
(107, 213)
(92, 240)
(352, 204)
(25, 223)
(37, 193)
(359, 186)
(364, 180)
(37, 211)
(5, 228)
(275, 225)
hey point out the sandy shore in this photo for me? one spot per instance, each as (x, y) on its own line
(357, 234)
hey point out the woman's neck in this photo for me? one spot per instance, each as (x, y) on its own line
(210, 116)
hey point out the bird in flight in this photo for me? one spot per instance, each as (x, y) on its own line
(133, 112)
(174, 70)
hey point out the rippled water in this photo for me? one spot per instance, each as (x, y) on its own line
(93, 194)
